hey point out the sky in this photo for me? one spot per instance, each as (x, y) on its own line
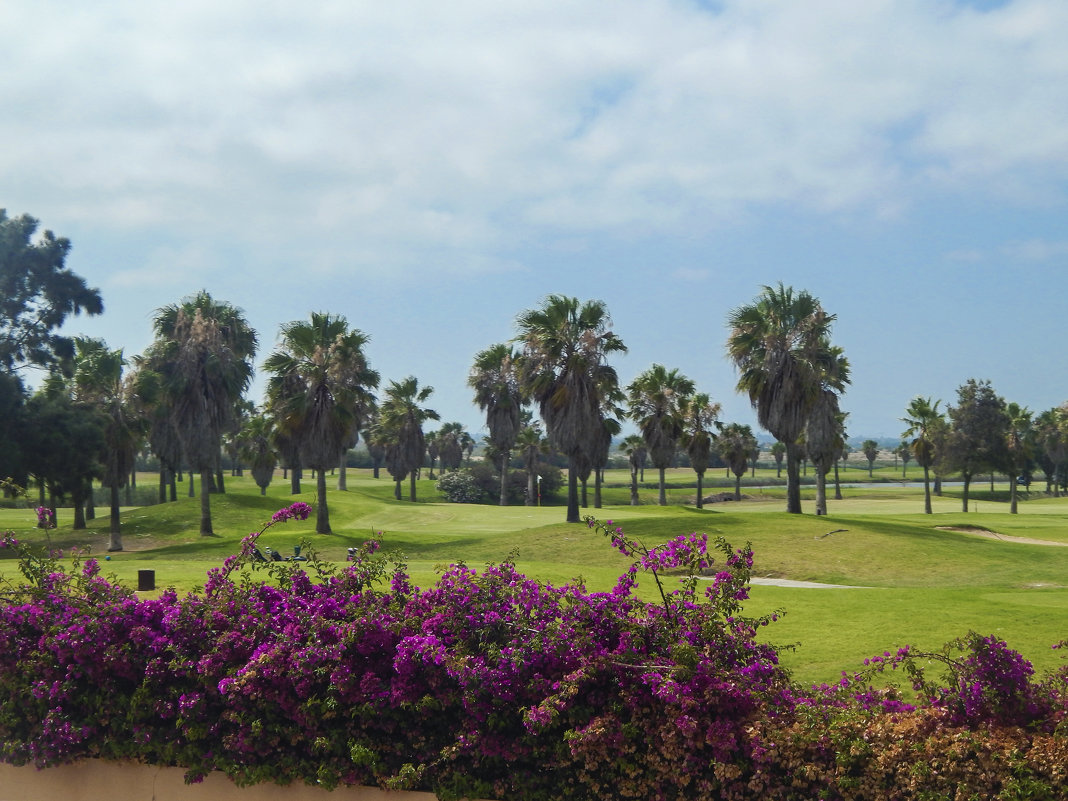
(430, 170)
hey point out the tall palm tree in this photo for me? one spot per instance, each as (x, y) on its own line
(256, 447)
(203, 351)
(600, 449)
(532, 446)
(400, 426)
(778, 451)
(319, 383)
(920, 417)
(700, 415)
(656, 402)
(780, 344)
(1019, 443)
(824, 435)
(162, 435)
(634, 447)
(563, 367)
(734, 444)
(451, 440)
(98, 381)
(870, 448)
(1052, 434)
(495, 380)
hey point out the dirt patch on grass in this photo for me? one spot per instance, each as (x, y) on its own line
(979, 531)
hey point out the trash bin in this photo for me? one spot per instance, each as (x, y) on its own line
(146, 579)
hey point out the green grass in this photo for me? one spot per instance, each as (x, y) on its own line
(923, 585)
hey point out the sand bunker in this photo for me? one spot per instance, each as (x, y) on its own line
(993, 535)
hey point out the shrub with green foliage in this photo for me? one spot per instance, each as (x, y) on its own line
(481, 483)
(460, 486)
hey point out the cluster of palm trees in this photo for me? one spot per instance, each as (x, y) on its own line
(558, 362)
(984, 433)
(185, 396)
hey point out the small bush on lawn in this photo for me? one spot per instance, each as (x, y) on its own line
(491, 685)
(481, 483)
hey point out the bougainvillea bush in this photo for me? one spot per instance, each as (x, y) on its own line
(491, 685)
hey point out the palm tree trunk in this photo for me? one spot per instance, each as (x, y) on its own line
(821, 491)
(597, 488)
(633, 486)
(572, 492)
(663, 492)
(1012, 494)
(504, 479)
(967, 484)
(531, 488)
(411, 487)
(115, 532)
(322, 514)
(837, 483)
(397, 489)
(737, 488)
(342, 478)
(793, 478)
(205, 501)
(162, 484)
(700, 492)
(294, 481)
(927, 490)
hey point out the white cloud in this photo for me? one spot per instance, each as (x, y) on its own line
(463, 126)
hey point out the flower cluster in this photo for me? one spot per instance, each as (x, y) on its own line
(485, 685)
(296, 511)
(46, 518)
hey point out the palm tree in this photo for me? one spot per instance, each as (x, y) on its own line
(1052, 433)
(841, 456)
(1019, 442)
(203, 352)
(734, 444)
(257, 448)
(824, 436)
(634, 446)
(319, 384)
(700, 415)
(532, 445)
(920, 417)
(657, 400)
(778, 451)
(780, 345)
(98, 381)
(496, 384)
(563, 368)
(601, 448)
(401, 418)
(451, 440)
(870, 449)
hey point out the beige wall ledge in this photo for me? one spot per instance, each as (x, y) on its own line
(94, 780)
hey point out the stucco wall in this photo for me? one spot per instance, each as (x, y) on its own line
(104, 781)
